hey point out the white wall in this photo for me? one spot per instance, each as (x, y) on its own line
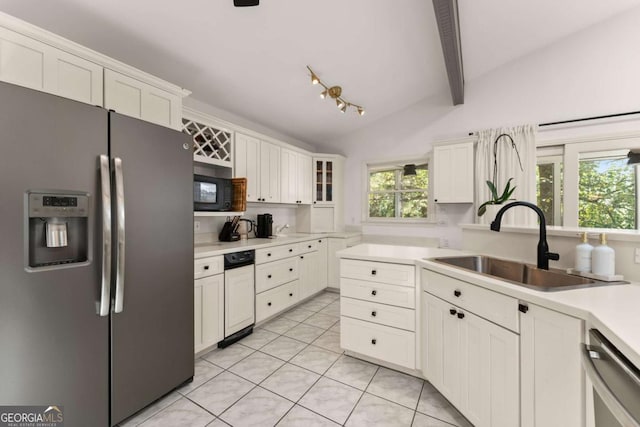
(593, 72)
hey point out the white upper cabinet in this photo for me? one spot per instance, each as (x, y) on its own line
(295, 176)
(269, 172)
(137, 99)
(453, 173)
(323, 181)
(36, 65)
(247, 164)
(259, 162)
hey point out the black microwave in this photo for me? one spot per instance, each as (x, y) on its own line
(212, 193)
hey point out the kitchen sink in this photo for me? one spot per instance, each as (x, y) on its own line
(521, 274)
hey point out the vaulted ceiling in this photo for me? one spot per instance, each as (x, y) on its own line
(385, 54)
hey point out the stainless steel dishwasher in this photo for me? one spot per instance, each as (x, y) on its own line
(239, 296)
(616, 383)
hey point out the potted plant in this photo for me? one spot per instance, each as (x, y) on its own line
(495, 198)
(498, 199)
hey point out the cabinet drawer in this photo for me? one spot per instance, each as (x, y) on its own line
(400, 296)
(276, 252)
(273, 301)
(382, 342)
(274, 274)
(403, 318)
(310, 246)
(395, 274)
(493, 306)
(205, 267)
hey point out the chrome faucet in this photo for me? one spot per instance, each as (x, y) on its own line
(543, 247)
(279, 229)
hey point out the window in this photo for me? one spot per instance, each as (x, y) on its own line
(393, 195)
(590, 185)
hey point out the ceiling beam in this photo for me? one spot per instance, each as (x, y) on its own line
(449, 28)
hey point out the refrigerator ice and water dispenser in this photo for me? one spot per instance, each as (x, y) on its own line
(58, 228)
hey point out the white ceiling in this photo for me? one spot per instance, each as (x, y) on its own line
(385, 54)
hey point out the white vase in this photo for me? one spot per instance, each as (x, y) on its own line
(492, 211)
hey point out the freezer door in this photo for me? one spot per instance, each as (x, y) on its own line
(152, 322)
(54, 346)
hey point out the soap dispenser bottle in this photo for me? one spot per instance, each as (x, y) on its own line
(603, 258)
(583, 255)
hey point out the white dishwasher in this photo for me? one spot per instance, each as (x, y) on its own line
(239, 296)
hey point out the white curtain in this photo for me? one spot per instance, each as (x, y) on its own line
(524, 138)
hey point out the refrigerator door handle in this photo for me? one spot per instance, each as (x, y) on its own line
(120, 232)
(105, 190)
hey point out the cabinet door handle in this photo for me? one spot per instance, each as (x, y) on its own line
(435, 200)
(452, 311)
(309, 246)
(291, 294)
(523, 308)
(269, 303)
(290, 250)
(301, 256)
(206, 267)
(460, 315)
(374, 292)
(457, 293)
(269, 254)
(319, 241)
(269, 276)
(314, 203)
(374, 341)
(373, 313)
(373, 272)
(291, 269)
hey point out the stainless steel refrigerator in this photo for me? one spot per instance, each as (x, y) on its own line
(96, 258)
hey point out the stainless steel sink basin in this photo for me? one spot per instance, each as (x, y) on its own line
(521, 274)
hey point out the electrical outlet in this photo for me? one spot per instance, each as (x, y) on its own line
(636, 256)
(196, 225)
(444, 242)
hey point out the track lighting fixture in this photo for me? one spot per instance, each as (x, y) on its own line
(335, 92)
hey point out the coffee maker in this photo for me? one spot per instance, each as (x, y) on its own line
(264, 228)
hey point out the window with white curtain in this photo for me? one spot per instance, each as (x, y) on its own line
(589, 184)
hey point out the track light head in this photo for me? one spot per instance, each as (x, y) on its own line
(361, 111)
(323, 95)
(340, 103)
(314, 79)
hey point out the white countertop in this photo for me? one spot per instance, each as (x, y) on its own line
(203, 250)
(393, 253)
(613, 309)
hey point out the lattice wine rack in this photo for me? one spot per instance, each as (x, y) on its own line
(210, 144)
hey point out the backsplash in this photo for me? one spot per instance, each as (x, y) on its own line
(211, 226)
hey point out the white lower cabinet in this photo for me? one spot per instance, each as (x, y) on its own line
(239, 299)
(309, 266)
(551, 371)
(377, 319)
(474, 364)
(381, 342)
(208, 311)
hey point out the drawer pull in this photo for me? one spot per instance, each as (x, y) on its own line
(206, 267)
(319, 241)
(373, 272)
(291, 269)
(374, 292)
(290, 294)
(269, 254)
(452, 311)
(269, 303)
(373, 313)
(460, 315)
(269, 277)
(373, 341)
(457, 293)
(523, 308)
(301, 256)
(309, 246)
(290, 250)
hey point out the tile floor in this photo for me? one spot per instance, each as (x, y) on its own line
(292, 372)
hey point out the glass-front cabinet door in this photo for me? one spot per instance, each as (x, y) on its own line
(323, 181)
